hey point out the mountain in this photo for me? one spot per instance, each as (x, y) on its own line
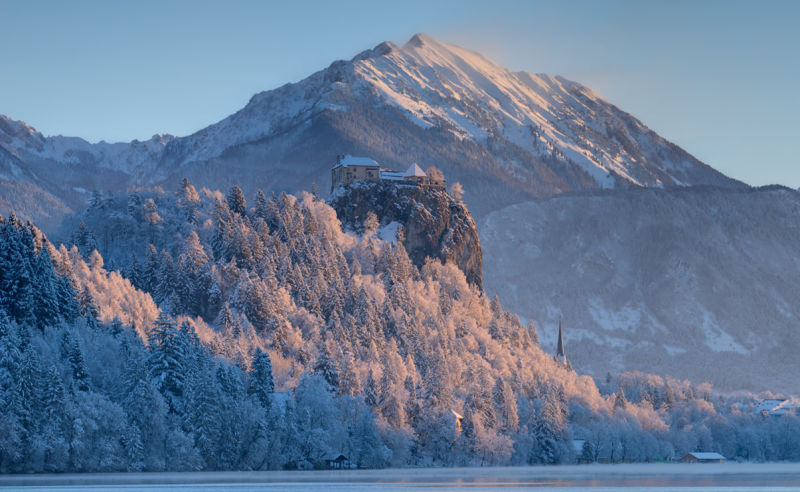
(701, 283)
(508, 137)
(512, 139)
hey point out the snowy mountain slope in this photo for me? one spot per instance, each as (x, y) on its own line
(549, 117)
(535, 134)
(26, 143)
(506, 136)
(64, 169)
(701, 283)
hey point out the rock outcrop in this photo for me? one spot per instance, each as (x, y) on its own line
(435, 225)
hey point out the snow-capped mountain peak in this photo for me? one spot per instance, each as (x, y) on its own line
(438, 84)
(508, 136)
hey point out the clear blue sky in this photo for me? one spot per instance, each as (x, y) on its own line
(720, 79)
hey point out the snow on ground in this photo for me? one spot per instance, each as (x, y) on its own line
(626, 318)
(651, 476)
(718, 339)
(388, 232)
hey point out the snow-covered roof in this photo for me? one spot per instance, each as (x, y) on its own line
(350, 160)
(707, 456)
(777, 406)
(415, 171)
(389, 175)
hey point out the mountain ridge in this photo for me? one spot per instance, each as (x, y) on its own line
(508, 136)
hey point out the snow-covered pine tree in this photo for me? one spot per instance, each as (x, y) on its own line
(262, 384)
(166, 360)
(236, 201)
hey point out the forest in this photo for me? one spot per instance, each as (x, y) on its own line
(191, 330)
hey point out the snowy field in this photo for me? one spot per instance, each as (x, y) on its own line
(651, 477)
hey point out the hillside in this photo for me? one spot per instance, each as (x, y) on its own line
(508, 137)
(700, 283)
(279, 339)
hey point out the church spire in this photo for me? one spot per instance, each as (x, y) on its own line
(561, 356)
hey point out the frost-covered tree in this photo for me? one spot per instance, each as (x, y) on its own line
(236, 201)
(166, 360)
(369, 355)
(262, 384)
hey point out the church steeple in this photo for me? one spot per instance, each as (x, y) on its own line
(561, 356)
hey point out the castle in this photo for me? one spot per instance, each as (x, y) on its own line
(349, 169)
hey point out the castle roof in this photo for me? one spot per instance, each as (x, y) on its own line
(350, 160)
(415, 171)
(389, 175)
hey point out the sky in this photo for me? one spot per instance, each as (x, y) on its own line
(718, 78)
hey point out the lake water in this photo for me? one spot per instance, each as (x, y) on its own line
(727, 477)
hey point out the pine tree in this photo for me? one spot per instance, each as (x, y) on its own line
(620, 402)
(166, 359)
(348, 379)
(149, 279)
(261, 383)
(548, 424)
(189, 201)
(151, 215)
(223, 233)
(165, 280)
(46, 309)
(262, 206)
(236, 201)
(87, 306)
(84, 239)
(371, 397)
(80, 375)
(327, 367)
(228, 322)
(506, 406)
(203, 417)
(17, 294)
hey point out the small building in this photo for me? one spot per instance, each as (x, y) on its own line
(339, 462)
(697, 457)
(776, 407)
(415, 174)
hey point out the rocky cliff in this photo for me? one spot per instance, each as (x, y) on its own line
(435, 225)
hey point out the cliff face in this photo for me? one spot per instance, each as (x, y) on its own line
(435, 224)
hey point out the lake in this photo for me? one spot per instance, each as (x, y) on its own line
(629, 477)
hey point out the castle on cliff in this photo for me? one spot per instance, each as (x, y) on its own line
(349, 169)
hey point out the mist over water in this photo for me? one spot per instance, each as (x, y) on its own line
(650, 477)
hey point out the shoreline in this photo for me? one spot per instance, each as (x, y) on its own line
(477, 476)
